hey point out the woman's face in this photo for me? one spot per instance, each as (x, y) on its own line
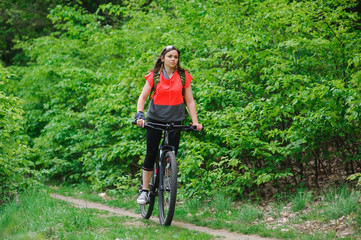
(170, 59)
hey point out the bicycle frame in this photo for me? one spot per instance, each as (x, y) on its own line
(164, 179)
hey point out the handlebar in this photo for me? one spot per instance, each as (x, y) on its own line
(169, 126)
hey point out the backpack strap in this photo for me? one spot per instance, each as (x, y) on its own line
(155, 82)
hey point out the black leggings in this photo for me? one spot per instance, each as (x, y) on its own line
(153, 139)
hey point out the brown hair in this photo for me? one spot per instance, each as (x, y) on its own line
(159, 63)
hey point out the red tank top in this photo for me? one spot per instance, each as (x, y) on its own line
(167, 102)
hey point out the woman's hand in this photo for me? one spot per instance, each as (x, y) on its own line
(140, 123)
(198, 125)
(139, 117)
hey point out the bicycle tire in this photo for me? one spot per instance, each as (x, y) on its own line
(147, 209)
(167, 192)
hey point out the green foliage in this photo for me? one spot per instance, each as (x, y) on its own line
(26, 19)
(21, 20)
(15, 165)
(277, 85)
(80, 122)
(356, 176)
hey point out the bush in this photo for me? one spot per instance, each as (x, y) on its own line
(15, 164)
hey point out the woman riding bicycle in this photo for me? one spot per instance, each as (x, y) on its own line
(166, 106)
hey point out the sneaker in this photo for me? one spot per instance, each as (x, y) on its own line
(143, 197)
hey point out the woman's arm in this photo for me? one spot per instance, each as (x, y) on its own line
(191, 105)
(143, 97)
(141, 102)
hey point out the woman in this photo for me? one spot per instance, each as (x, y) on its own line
(166, 106)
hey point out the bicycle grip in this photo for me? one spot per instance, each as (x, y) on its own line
(135, 123)
(195, 128)
(200, 130)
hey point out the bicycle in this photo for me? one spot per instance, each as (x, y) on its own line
(164, 179)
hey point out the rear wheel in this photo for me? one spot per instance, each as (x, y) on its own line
(167, 188)
(147, 209)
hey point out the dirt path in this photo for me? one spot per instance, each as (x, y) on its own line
(224, 234)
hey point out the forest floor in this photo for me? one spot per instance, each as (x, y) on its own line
(63, 212)
(334, 215)
(222, 233)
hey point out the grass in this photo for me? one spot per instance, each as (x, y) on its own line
(303, 215)
(340, 202)
(300, 200)
(37, 216)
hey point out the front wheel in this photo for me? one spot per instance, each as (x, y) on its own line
(168, 188)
